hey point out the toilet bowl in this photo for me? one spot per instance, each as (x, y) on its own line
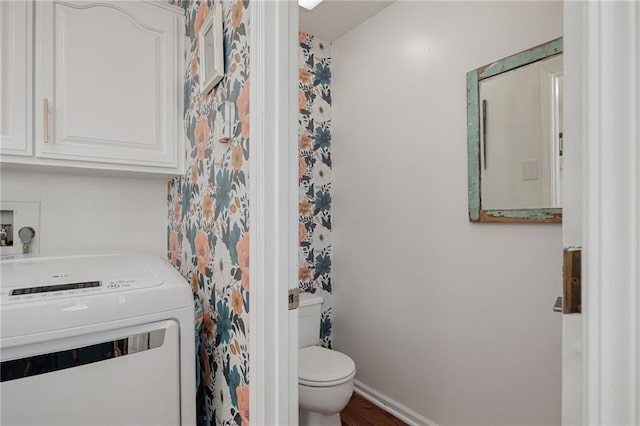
(325, 385)
(325, 376)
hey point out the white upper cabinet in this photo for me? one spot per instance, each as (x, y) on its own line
(107, 86)
(15, 77)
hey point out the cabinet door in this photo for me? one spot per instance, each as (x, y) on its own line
(109, 74)
(16, 26)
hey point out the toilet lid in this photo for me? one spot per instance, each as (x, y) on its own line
(318, 366)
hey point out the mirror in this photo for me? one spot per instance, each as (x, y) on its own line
(211, 59)
(514, 137)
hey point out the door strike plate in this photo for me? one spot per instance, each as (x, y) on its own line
(572, 281)
(294, 298)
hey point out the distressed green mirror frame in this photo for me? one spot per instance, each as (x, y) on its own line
(476, 213)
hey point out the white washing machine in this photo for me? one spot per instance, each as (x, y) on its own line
(103, 339)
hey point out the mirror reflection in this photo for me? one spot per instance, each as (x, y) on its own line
(521, 137)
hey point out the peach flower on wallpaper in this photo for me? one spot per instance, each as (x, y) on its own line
(174, 248)
(302, 167)
(243, 109)
(194, 66)
(201, 16)
(302, 232)
(305, 143)
(305, 76)
(302, 99)
(194, 174)
(242, 393)
(237, 155)
(177, 212)
(305, 208)
(201, 135)
(207, 207)
(243, 259)
(236, 15)
(236, 301)
(203, 252)
(305, 274)
(302, 37)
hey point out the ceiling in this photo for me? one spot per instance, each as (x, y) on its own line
(333, 18)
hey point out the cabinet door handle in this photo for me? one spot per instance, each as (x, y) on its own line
(45, 120)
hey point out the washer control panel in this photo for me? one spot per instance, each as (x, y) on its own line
(53, 291)
(41, 279)
(54, 288)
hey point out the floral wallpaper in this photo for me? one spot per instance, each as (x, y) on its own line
(208, 232)
(314, 173)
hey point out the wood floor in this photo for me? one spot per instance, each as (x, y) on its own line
(360, 412)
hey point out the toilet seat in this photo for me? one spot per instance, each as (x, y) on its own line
(321, 367)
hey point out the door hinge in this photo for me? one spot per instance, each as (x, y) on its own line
(572, 281)
(294, 298)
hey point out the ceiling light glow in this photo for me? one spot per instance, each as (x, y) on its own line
(309, 4)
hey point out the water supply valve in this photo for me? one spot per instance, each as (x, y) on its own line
(4, 237)
(26, 234)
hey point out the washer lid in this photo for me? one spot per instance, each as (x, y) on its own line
(39, 294)
(320, 365)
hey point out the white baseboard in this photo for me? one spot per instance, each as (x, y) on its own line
(400, 411)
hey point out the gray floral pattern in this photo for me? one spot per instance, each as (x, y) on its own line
(208, 232)
(314, 132)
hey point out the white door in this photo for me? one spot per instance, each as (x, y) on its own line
(105, 82)
(601, 348)
(16, 26)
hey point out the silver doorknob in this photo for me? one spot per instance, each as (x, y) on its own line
(557, 307)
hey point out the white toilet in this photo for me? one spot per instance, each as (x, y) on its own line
(325, 376)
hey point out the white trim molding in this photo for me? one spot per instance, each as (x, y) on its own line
(611, 298)
(573, 200)
(391, 406)
(273, 212)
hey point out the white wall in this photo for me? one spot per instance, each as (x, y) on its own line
(449, 318)
(93, 212)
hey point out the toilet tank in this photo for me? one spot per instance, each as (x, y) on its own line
(309, 311)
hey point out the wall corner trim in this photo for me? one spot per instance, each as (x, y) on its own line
(273, 360)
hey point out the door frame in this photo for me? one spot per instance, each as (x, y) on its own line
(273, 212)
(611, 218)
